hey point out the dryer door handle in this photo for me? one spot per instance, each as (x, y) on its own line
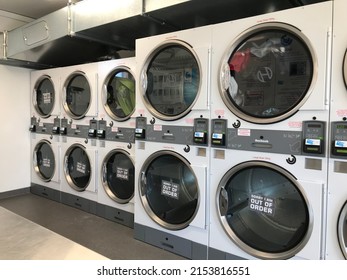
(144, 81)
(223, 201)
(225, 76)
(143, 182)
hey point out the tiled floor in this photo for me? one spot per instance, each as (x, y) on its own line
(107, 238)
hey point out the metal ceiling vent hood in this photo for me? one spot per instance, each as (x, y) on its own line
(83, 32)
(91, 30)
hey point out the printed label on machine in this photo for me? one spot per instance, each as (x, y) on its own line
(81, 167)
(170, 189)
(46, 162)
(341, 144)
(312, 142)
(122, 173)
(46, 98)
(262, 204)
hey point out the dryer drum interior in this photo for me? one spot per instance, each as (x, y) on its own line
(267, 74)
(169, 190)
(263, 210)
(77, 167)
(342, 230)
(120, 97)
(78, 96)
(44, 160)
(173, 81)
(118, 176)
(44, 96)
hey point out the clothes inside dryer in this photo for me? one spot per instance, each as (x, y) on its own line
(169, 190)
(263, 209)
(44, 160)
(77, 167)
(342, 230)
(78, 96)
(118, 176)
(267, 74)
(120, 100)
(44, 96)
(173, 81)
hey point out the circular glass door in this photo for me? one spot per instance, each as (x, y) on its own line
(171, 81)
(263, 210)
(44, 96)
(118, 176)
(345, 68)
(77, 96)
(120, 94)
(342, 230)
(44, 160)
(77, 167)
(169, 190)
(268, 73)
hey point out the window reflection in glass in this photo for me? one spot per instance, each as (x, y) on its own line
(173, 81)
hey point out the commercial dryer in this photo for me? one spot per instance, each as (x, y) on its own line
(116, 138)
(272, 71)
(79, 184)
(45, 171)
(265, 207)
(171, 146)
(173, 79)
(79, 94)
(273, 79)
(337, 191)
(45, 101)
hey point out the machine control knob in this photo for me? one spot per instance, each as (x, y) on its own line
(152, 121)
(187, 149)
(237, 124)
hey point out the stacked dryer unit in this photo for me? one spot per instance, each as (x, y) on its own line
(268, 135)
(116, 140)
(337, 190)
(171, 148)
(44, 127)
(78, 133)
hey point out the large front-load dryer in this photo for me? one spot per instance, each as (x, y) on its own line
(79, 94)
(271, 71)
(116, 161)
(117, 92)
(79, 171)
(45, 171)
(265, 206)
(45, 100)
(337, 191)
(173, 80)
(171, 210)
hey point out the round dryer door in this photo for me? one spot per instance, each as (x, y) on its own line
(267, 74)
(264, 211)
(169, 190)
(77, 96)
(342, 230)
(44, 96)
(77, 167)
(118, 176)
(171, 81)
(44, 160)
(119, 100)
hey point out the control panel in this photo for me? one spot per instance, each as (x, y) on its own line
(339, 139)
(218, 132)
(200, 131)
(313, 133)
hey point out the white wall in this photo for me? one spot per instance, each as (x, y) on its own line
(14, 128)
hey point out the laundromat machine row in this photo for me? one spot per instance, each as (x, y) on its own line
(226, 141)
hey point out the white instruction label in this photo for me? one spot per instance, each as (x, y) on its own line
(46, 162)
(47, 98)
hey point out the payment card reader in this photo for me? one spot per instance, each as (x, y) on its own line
(313, 137)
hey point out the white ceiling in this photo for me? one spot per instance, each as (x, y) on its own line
(14, 13)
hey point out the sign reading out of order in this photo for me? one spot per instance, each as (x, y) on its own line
(262, 204)
(170, 189)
